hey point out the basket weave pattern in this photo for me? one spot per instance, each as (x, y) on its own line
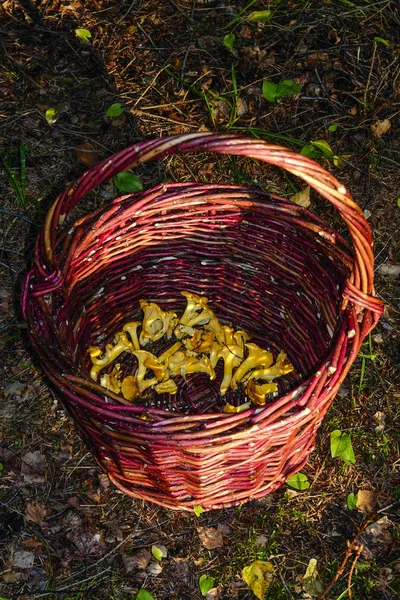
(267, 265)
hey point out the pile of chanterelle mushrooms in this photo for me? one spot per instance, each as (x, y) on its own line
(198, 342)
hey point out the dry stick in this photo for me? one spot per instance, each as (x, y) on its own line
(351, 547)
(353, 564)
(369, 77)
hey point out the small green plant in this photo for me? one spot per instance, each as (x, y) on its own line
(321, 148)
(275, 91)
(159, 552)
(229, 40)
(258, 16)
(205, 584)
(17, 182)
(84, 35)
(341, 447)
(51, 115)
(115, 110)
(298, 481)
(198, 510)
(144, 595)
(1, 472)
(128, 182)
(351, 501)
(364, 358)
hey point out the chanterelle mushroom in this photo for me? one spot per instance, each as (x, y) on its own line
(156, 322)
(281, 367)
(231, 350)
(257, 357)
(111, 380)
(131, 328)
(182, 364)
(196, 313)
(112, 351)
(258, 393)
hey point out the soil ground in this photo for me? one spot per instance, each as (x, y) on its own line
(64, 531)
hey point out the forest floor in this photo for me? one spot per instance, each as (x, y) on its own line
(178, 66)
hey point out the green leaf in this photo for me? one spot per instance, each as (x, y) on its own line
(205, 584)
(351, 501)
(197, 509)
(299, 481)
(380, 40)
(332, 127)
(287, 87)
(341, 447)
(269, 90)
(83, 34)
(309, 151)
(229, 40)
(398, 202)
(144, 595)
(127, 182)
(323, 147)
(159, 552)
(258, 576)
(51, 115)
(1, 470)
(115, 110)
(258, 15)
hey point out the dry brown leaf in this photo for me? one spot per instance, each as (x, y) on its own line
(84, 535)
(379, 128)
(87, 154)
(36, 512)
(23, 559)
(33, 468)
(137, 561)
(366, 501)
(389, 268)
(210, 537)
(302, 198)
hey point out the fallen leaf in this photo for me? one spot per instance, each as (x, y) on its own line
(213, 594)
(180, 569)
(210, 537)
(154, 569)
(311, 582)
(376, 537)
(87, 154)
(366, 501)
(302, 198)
(385, 576)
(380, 418)
(137, 561)
(388, 268)
(36, 512)
(258, 576)
(23, 559)
(83, 534)
(33, 468)
(379, 128)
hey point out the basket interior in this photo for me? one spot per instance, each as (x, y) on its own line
(267, 266)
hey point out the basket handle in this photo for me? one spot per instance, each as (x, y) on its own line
(360, 285)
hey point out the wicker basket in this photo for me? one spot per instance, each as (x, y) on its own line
(267, 266)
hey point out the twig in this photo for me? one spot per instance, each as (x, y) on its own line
(351, 547)
(188, 47)
(353, 564)
(18, 216)
(369, 76)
